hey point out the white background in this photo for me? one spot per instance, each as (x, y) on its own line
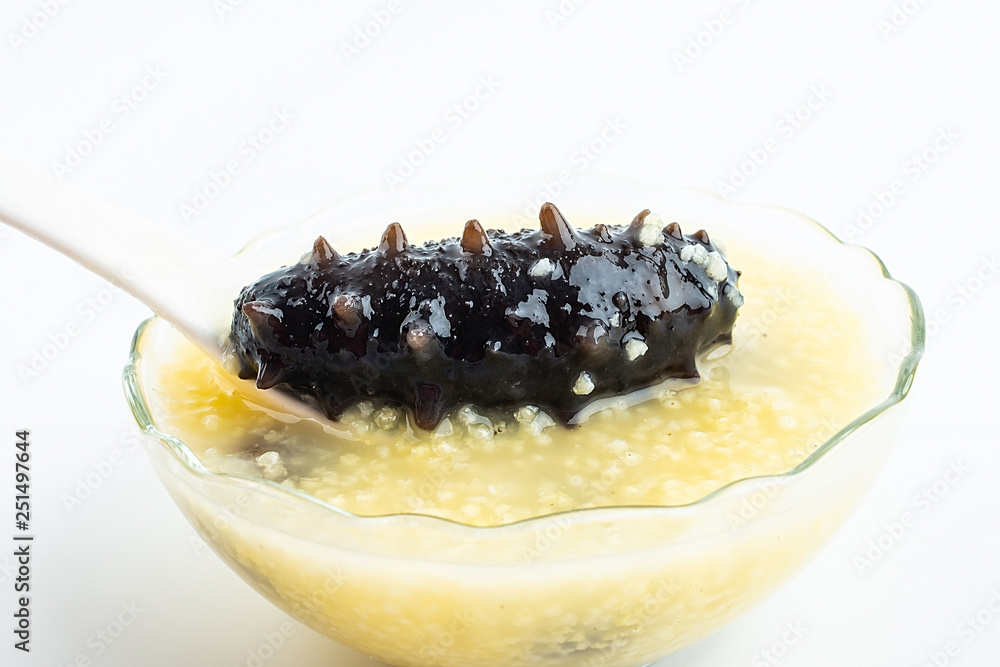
(885, 79)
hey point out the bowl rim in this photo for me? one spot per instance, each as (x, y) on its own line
(905, 373)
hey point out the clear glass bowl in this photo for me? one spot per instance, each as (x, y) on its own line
(605, 586)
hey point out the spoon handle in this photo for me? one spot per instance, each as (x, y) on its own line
(187, 284)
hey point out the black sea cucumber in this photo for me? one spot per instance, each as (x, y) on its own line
(554, 317)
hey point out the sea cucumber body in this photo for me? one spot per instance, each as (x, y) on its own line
(553, 317)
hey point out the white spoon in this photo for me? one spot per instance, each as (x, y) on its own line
(186, 284)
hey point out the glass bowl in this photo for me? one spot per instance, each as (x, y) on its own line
(602, 586)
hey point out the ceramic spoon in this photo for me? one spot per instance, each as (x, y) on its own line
(186, 284)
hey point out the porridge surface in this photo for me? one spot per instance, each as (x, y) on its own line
(794, 376)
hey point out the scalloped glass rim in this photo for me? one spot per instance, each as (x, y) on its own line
(904, 380)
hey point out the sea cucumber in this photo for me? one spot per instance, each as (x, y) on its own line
(554, 317)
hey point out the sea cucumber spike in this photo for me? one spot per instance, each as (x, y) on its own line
(603, 233)
(393, 241)
(270, 373)
(257, 313)
(620, 299)
(640, 219)
(475, 241)
(675, 231)
(323, 253)
(701, 236)
(562, 235)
